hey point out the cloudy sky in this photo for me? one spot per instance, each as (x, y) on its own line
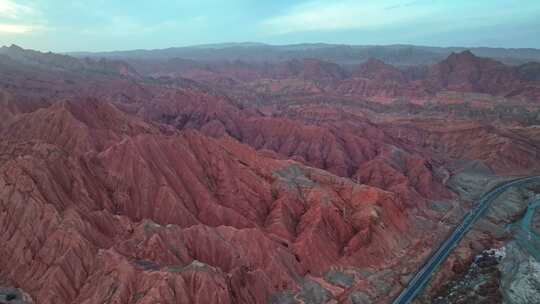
(100, 25)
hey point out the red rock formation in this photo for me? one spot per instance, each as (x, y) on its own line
(466, 72)
(175, 191)
(504, 150)
(379, 71)
(101, 208)
(463, 72)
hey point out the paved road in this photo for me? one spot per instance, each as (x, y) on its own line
(422, 277)
(524, 233)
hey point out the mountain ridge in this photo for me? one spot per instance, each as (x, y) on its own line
(400, 54)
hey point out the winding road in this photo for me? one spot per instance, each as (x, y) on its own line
(422, 277)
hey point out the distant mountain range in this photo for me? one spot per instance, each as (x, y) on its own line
(337, 53)
(373, 78)
(16, 58)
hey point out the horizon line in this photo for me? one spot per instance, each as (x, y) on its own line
(247, 44)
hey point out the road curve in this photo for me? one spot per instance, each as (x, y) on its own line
(422, 277)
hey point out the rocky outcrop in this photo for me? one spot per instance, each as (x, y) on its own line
(373, 79)
(520, 276)
(501, 149)
(466, 72)
(99, 212)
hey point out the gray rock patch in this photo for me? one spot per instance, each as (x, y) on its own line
(339, 278)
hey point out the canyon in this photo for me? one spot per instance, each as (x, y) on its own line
(133, 179)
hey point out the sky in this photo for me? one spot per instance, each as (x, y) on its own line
(101, 25)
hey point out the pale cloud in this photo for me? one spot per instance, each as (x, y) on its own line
(16, 18)
(342, 15)
(12, 10)
(16, 28)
